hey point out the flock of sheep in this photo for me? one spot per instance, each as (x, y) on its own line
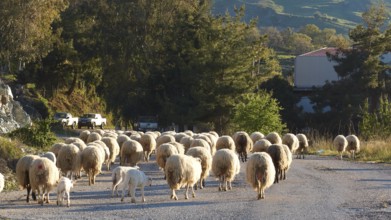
(186, 158)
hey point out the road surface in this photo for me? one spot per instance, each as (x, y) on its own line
(315, 188)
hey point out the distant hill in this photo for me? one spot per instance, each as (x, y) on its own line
(337, 14)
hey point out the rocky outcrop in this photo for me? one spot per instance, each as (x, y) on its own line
(12, 115)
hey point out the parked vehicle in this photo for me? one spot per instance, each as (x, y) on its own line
(147, 123)
(66, 119)
(92, 120)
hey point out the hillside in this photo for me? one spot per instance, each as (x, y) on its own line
(337, 14)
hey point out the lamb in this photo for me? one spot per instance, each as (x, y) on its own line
(182, 170)
(303, 145)
(66, 159)
(340, 143)
(63, 189)
(225, 166)
(261, 145)
(92, 159)
(225, 141)
(206, 162)
(84, 135)
(260, 172)
(163, 152)
(243, 144)
(22, 174)
(256, 136)
(280, 160)
(1, 182)
(50, 155)
(274, 138)
(353, 145)
(135, 178)
(113, 147)
(43, 175)
(148, 143)
(117, 177)
(131, 153)
(291, 141)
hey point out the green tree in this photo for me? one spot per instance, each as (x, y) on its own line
(258, 112)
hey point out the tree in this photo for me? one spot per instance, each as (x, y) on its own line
(258, 112)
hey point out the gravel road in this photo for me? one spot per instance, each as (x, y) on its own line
(315, 188)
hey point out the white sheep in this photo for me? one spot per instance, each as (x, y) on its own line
(63, 190)
(84, 135)
(1, 182)
(186, 142)
(260, 172)
(113, 147)
(243, 144)
(353, 145)
(163, 152)
(56, 147)
(274, 138)
(50, 155)
(303, 145)
(135, 178)
(182, 170)
(256, 136)
(44, 176)
(117, 177)
(261, 145)
(22, 174)
(292, 141)
(164, 138)
(93, 136)
(289, 157)
(225, 141)
(121, 139)
(178, 136)
(106, 151)
(280, 160)
(340, 143)
(131, 153)
(66, 159)
(78, 142)
(92, 159)
(225, 166)
(201, 143)
(180, 148)
(206, 162)
(148, 143)
(213, 140)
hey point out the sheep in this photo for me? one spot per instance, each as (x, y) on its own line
(291, 141)
(205, 138)
(182, 170)
(225, 141)
(77, 142)
(261, 145)
(353, 145)
(200, 143)
(225, 166)
(256, 136)
(1, 182)
(106, 151)
(148, 143)
(280, 160)
(340, 143)
(22, 174)
(214, 133)
(274, 138)
(121, 139)
(163, 152)
(113, 147)
(117, 177)
(289, 158)
(179, 136)
(66, 159)
(186, 141)
(44, 176)
(189, 132)
(260, 172)
(206, 162)
(50, 155)
(135, 137)
(164, 138)
(135, 178)
(63, 189)
(92, 159)
(180, 148)
(213, 140)
(303, 145)
(84, 135)
(243, 144)
(131, 153)
(93, 136)
(56, 147)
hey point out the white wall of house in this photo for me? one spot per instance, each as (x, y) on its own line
(313, 71)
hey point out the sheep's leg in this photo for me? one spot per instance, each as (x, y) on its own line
(68, 199)
(123, 192)
(262, 193)
(203, 183)
(221, 180)
(142, 194)
(229, 185)
(40, 199)
(192, 192)
(28, 194)
(47, 195)
(186, 192)
(259, 189)
(132, 190)
(173, 195)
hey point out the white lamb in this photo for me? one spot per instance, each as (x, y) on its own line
(353, 145)
(340, 143)
(135, 178)
(63, 189)
(117, 177)
(182, 170)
